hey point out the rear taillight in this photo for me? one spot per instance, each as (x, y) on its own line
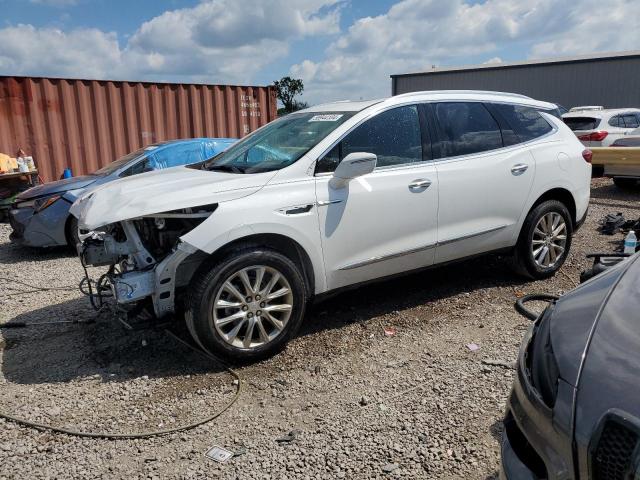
(587, 155)
(594, 137)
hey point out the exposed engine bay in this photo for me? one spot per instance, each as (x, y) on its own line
(143, 255)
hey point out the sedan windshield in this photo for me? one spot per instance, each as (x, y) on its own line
(278, 144)
(117, 164)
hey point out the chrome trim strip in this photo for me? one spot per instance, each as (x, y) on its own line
(471, 235)
(323, 203)
(386, 257)
(382, 258)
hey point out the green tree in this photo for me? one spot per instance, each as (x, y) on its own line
(286, 90)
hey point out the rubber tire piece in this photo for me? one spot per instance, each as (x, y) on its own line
(205, 284)
(625, 183)
(72, 232)
(523, 257)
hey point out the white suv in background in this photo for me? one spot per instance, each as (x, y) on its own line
(334, 196)
(598, 127)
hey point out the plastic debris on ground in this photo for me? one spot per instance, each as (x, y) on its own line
(474, 347)
(219, 454)
(389, 331)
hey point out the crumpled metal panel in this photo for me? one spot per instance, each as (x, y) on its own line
(86, 124)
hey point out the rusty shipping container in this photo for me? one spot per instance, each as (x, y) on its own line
(86, 124)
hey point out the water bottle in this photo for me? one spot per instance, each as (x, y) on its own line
(630, 242)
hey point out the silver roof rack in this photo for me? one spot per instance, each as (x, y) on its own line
(489, 92)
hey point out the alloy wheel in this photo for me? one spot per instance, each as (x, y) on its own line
(549, 240)
(252, 306)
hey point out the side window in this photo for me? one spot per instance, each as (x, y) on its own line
(394, 136)
(630, 121)
(176, 155)
(526, 122)
(615, 121)
(141, 166)
(465, 128)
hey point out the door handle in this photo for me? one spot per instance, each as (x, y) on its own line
(419, 183)
(519, 169)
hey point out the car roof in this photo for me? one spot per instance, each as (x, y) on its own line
(607, 112)
(433, 95)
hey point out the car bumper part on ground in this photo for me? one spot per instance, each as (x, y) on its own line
(42, 229)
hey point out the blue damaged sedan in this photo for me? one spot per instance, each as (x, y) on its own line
(40, 216)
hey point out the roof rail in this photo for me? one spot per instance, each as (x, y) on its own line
(502, 94)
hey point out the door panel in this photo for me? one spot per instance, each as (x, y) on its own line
(482, 185)
(377, 225)
(384, 222)
(481, 201)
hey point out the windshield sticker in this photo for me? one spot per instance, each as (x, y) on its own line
(325, 118)
(151, 147)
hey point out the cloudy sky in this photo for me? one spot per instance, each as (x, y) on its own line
(340, 48)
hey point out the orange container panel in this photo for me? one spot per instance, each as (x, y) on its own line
(86, 124)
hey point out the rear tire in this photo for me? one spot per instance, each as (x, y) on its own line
(545, 240)
(247, 306)
(625, 183)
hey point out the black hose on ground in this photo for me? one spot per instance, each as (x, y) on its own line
(147, 434)
(540, 297)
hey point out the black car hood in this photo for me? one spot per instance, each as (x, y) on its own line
(611, 370)
(57, 187)
(595, 306)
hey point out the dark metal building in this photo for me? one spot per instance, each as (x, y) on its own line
(610, 80)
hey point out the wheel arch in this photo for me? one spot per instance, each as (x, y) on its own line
(281, 243)
(562, 195)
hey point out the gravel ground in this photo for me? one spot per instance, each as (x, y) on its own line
(361, 404)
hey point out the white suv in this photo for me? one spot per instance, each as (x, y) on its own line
(598, 127)
(333, 196)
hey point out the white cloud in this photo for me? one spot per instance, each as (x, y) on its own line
(86, 53)
(218, 41)
(415, 34)
(618, 28)
(231, 41)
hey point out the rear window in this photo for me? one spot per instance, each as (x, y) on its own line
(525, 123)
(582, 123)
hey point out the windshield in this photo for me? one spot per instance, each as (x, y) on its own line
(278, 144)
(121, 162)
(581, 123)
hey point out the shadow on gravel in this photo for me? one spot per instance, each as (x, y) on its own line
(10, 253)
(605, 189)
(61, 353)
(409, 291)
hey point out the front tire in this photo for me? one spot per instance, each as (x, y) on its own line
(72, 233)
(247, 306)
(545, 240)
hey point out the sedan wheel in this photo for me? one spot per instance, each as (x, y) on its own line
(252, 307)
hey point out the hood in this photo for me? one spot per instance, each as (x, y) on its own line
(610, 376)
(162, 191)
(57, 187)
(574, 317)
(613, 355)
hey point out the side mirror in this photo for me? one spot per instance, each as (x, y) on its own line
(353, 165)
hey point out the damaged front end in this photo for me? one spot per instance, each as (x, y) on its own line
(146, 257)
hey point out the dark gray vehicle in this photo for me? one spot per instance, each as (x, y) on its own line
(574, 411)
(40, 216)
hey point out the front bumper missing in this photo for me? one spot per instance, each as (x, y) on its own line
(155, 280)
